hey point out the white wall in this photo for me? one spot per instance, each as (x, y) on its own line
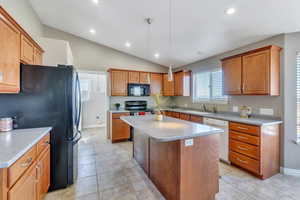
(23, 13)
(92, 56)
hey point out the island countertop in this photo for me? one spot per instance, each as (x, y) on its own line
(170, 129)
(16, 143)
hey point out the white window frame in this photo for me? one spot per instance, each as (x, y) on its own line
(210, 99)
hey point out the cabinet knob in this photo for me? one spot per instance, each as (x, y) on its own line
(27, 162)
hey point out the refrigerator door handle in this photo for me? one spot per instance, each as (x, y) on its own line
(77, 138)
(79, 103)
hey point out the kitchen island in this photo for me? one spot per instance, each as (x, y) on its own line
(181, 158)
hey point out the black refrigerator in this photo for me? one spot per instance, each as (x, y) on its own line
(50, 96)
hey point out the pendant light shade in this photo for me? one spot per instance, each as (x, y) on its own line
(170, 74)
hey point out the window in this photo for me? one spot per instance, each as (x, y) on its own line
(208, 87)
(298, 94)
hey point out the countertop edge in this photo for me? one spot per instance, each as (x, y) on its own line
(7, 164)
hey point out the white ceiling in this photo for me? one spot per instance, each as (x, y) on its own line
(199, 25)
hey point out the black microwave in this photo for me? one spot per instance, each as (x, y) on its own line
(138, 90)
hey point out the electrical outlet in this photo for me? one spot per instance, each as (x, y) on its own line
(266, 111)
(189, 142)
(235, 109)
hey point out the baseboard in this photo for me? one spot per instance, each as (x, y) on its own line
(94, 126)
(291, 172)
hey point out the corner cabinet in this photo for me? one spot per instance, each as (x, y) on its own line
(256, 72)
(16, 47)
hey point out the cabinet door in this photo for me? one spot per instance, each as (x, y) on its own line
(232, 75)
(38, 57)
(256, 73)
(119, 80)
(168, 86)
(43, 169)
(144, 77)
(27, 50)
(9, 57)
(25, 188)
(156, 83)
(178, 83)
(120, 130)
(133, 77)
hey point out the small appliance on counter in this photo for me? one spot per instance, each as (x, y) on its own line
(246, 112)
(6, 124)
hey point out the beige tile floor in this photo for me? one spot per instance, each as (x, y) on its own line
(108, 172)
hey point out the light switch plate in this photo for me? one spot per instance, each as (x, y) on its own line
(235, 109)
(189, 142)
(266, 111)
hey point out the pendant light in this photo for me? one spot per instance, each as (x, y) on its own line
(149, 22)
(170, 74)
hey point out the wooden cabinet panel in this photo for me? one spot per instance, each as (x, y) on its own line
(156, 83)
(232, 75)
(120, 129)
(27, 50)
(21, 165)
(169, 113)
(197, 119)
(144, 77)
(176, 115)
(133, 77)
(184, 116)
(245, 149)
(119, 80)
(168, 86)
(256, 73)
(245, 162)
(9, 57)
(43, 174)
(182, 83)
(43, 144)
(141, 150)
(245, 128)
(244, 138)
(25, 188)
(38, 56)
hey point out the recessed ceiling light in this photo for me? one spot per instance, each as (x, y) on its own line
(156, 55)
(127, 44)
(96, 1)
(92, 31)
(230, 11)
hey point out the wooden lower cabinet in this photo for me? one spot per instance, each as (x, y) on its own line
(184, 116)
(119, 129)
(196, 119)
(29, 177)
(255, 148)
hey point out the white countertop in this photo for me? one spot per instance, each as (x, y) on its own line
(16, 143)
(169, 129)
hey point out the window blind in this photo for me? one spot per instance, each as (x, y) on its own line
(298, 93)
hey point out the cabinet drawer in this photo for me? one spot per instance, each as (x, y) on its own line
(43, 144)
(20, 166)
(197, 119)
(242, 137)
(118, 115)
(246, 149)
(253, 130)
(184, 116)
(244, 162)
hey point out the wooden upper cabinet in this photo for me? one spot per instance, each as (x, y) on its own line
(182, 83)
(9, 56)
(27, 50)
(232, 76)
(119, 81)
(144, 77)
(38, 56)
(168, 86)
(259, 74)
(133, 77)
(156, 83)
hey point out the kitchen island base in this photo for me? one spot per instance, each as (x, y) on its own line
(186, 169)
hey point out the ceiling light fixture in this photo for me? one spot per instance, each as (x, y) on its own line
(128, 44)
(170, 73)
(96, 1)
(230, 11)
(92, 31)
(156, 55)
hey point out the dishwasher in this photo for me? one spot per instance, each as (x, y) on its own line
(224, 138)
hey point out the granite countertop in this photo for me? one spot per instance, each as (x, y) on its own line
(118, 111)
(170, 129)
(257, 120)
(16, 143)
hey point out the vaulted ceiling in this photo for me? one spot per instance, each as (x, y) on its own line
(201, 28)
